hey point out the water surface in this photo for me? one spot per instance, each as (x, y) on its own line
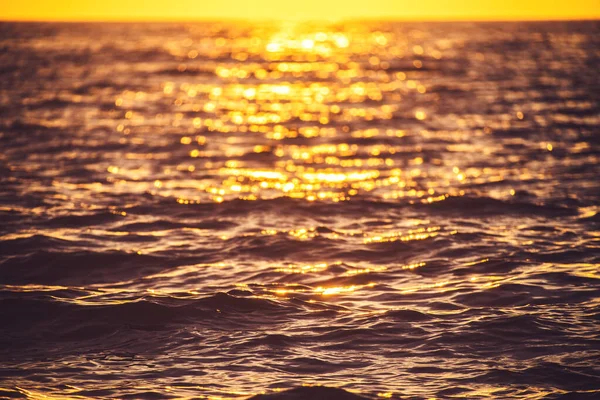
(225, 209)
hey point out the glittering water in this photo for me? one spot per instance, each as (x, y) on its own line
(398, 210)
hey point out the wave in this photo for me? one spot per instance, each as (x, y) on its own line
(80, 267)
(312, 392)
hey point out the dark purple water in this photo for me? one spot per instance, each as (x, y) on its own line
(222, 210)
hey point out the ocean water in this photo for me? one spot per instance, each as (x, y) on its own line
(222, 210)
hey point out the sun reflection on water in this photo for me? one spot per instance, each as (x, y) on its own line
(286, 83)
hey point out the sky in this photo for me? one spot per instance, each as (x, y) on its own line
(77, 10)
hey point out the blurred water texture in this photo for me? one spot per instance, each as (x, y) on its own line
(400, 210)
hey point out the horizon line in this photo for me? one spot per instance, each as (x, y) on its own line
(150, 19)
(325, 21)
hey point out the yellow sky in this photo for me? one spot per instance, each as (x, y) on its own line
(300, 9)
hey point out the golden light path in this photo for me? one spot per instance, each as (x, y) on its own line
(287, 83)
